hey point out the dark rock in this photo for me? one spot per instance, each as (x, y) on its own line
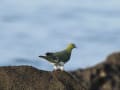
(104, 76)
(29, 78)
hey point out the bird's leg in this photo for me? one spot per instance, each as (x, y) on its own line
(55, 67)
(61, 68)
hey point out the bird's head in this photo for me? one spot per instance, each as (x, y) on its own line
(71, 46)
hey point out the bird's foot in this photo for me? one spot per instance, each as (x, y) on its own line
(58, 68)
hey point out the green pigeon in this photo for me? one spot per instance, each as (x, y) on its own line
(58, 59)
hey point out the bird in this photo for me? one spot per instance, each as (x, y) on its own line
(58, 59)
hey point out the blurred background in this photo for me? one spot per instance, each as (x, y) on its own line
(29, 28)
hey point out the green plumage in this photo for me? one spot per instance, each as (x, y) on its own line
(61, 56)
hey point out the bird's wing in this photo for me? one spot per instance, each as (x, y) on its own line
(49, 54)
(57, 56)
(62, 55)
(50, 57)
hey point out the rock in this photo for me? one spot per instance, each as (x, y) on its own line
(103, 76)
(29, 78)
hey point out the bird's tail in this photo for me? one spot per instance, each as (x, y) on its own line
(43, 57)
